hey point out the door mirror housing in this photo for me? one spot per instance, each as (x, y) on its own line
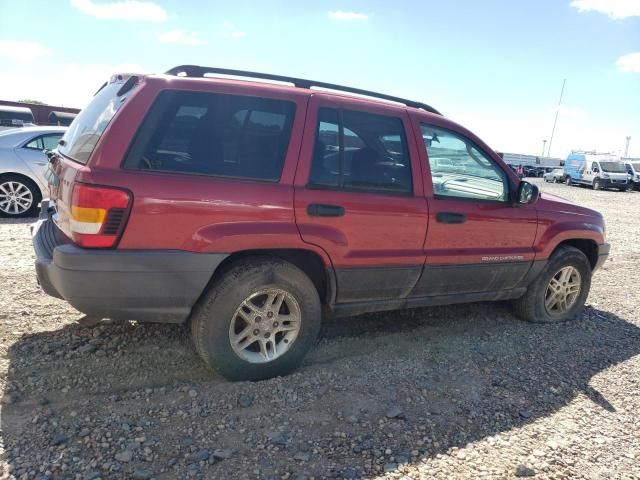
(595, 170)
(527, 193)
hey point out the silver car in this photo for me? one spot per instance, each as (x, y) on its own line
(22, 168)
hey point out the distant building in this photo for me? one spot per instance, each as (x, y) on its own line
(531, 160)
(42, 113)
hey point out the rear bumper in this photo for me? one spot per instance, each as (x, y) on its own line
(144, 285)
(603, 254)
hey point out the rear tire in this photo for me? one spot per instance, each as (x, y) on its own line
(223, 315)
(534, 305)
(19, 196)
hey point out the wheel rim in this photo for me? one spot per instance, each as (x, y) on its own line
(265, 325)
(563, 291)
(15, 198)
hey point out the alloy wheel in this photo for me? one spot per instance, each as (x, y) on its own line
(15, 197)
(265, 325)
(563, 291)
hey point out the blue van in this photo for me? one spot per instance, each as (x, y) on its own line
(596, 170)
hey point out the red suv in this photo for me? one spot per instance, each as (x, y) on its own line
(250, 207)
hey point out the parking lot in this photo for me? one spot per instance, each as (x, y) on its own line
(449, 392)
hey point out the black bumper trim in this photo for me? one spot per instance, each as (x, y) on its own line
(603, 254)
(143, 285)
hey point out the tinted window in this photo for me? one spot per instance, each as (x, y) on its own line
(360, 151)
(459, 169)
(86, 129)
(214, 134)
(35, 144)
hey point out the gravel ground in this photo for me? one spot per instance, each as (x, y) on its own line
(452, 392)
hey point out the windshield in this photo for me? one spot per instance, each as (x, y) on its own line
(636, 166)
(613, 167)
(87, 128)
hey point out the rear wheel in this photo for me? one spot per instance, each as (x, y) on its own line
(257, 320)
(19, 196)
(559, 292)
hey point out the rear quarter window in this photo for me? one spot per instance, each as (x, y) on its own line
(214, 134)
(87, 128)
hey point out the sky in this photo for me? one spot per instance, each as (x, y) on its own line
(496, 67)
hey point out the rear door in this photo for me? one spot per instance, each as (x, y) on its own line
(477, 240)
(359, 196)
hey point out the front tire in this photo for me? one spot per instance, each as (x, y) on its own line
(560, 291)
(19, 197)
(567, 181)
(596, 184)
(257, 320)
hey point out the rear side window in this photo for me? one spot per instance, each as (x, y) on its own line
(360, 151)
(87, 128)
(44, 142)
(214, 134)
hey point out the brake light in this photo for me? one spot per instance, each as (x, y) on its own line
(97, 215)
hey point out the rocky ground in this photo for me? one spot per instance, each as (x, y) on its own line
(453, 392)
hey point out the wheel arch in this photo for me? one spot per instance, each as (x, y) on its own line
(311, 263)
(22, 175)
(586, 246)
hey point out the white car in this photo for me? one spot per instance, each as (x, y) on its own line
(23, 165)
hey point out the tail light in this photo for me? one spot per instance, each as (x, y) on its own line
(98, 215)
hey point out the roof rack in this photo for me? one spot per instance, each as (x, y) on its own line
(199, 71)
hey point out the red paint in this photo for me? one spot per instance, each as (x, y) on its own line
(205, 214)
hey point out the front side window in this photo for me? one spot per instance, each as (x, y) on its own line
(214, 134)
(459, 169)
(360, 151)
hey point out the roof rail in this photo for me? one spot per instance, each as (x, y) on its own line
(199, 71)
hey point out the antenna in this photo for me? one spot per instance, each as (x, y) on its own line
(556, 119)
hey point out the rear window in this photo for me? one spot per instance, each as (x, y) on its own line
(214, 134)
(87, 128)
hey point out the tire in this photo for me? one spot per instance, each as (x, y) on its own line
(218, 310)
(567, 180)
(555, 179)
(596, 184)
(531, 306)
(27, 190)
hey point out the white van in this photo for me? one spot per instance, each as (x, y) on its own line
(633, 169)
(596, 170)
(13, 117)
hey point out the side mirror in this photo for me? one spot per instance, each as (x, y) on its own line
(595, 170)
(527, 193)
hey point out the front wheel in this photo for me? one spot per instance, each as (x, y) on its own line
(559, 292)
(257, 320)
(596, 184)
(567, 180)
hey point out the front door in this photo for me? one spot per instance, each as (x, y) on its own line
(477, 240)
(359, 196)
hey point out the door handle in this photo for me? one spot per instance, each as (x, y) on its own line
(321, 210)
(448, 217)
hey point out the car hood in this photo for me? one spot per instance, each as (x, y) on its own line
(553, 203)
